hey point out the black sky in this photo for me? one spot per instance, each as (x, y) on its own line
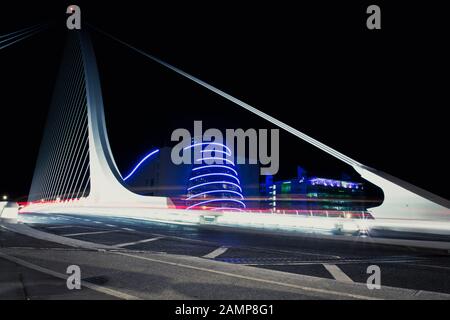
(378, 96)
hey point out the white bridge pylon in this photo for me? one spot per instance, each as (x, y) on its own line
(106, 180)
(104, 186)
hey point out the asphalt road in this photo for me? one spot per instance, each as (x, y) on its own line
(141, 266)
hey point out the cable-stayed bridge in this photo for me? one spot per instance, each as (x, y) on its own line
(77, 181)
(76, 168)
(11, 38)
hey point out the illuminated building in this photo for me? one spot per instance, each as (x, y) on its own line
(214, 182)
(158, 176)
(315, 193)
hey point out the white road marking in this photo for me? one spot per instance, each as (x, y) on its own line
(97, 222)
(87, 220)
(294, 252)
(137, 242)
(128, 229)
(305, 263)
(216, 253)
(430, 266)
(87, 233)
(337, 273)
(108, 291)
(82, 226)
(289, 285)
(60, 227)
(111, 225)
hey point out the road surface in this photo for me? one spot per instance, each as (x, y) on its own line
(124, 258)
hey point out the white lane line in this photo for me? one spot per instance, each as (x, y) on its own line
(429, 266)
(97, 222)
(234, 275)
(137, 242)
(303, 263)
(87, 220)
(128, 229)
(293, 252)
(87, 233)
(60, 227)
(82, 226)
(111, 225)
(108, 291)
(337, 273)
(216, 253)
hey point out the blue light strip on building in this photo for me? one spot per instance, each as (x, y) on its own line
(215, 174)
(215, 166)
(221, 192)
(140, 163)
(215, 191)
(210, 143)
(334, 183)
(214, 150)
(214, 182)
(216, 158)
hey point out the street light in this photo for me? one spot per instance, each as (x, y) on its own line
(4, 197)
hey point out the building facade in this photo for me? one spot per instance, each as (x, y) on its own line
(159, 176)
(322, 196)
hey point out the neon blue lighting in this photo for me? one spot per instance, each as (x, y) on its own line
(334, 183)
(215, 191)
(215, 182)
(209, 143)
(218, 151)
(216, 158)
(216, 200)
(215, 166)
(140, 163)
(215, 174)
(220, 189)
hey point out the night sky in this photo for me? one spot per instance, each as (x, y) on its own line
(376, 96)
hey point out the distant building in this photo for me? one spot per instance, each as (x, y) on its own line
(159, 176)
(214, 183)
(313, 193)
